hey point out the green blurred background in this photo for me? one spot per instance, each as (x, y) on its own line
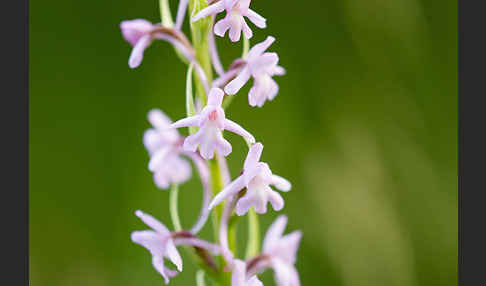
(364, 126)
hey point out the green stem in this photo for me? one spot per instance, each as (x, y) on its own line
(165, 14)
(174, 212)
(253, 246)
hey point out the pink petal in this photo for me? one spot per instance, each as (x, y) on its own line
(278, 70)
(161, 180)
(263, 64)
(173, 254)
(237, 129)
(152, 222)
(158, 119)
(225, 77)
(256, 19)
(136, 56)
(150, 240)
(231, 189)
(192, 141)
(275, 199)
(215, 96)
(210, 10)
(259, 48)
(244, 204)
(152, 140)
(238, 278)
(281, 183)
(157, 159)
(235, 28)
(186, 122)
(274, 233)
(236, 84)
(181, 12)
(289, 245)
(253, 156)
(207, 148)
(253, 281)
(224, 147)
(133, 30)
(158, 263)
(246, 30)
(221, 27)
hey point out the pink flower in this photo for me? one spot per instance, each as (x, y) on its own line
(164, 147)
(160, 244)
(140, 33)
(257, 179)
(239, 277)
(282, 251)
(211, 121)
(234, 21)
(261, 66)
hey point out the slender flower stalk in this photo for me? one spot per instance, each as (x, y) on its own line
(171, 154)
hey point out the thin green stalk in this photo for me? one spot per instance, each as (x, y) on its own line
(200, 31)
(174, 212)
(253, 246)
(165, 14)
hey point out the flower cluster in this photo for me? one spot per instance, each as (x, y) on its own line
(174, 156)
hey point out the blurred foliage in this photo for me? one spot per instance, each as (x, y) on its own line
(364, 126)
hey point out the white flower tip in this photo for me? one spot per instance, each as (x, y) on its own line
(139, 213)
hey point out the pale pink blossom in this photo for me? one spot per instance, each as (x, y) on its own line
(160, 244)
(211, 122)
(165, 150)
(257, 178)
(282, 250)
(233, 21)
(261, 66)
(239, 276)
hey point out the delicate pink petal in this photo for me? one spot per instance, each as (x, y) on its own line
(253, 156)
(259, 48)
(263, 64)
(237, 129)
(278, 70)
(192, 141)
(137, 52)
(149, 239)
(133, 30)
(246, 30)
(285, 275)
(152, 222)
(253, 281)
(173, 254)
(244, 204)
(215, 96)
(221, 27)
(224, 147)
(235, 24)
(260, 205)
(276, 200)
(207, 149)
(281, 183)
(161, 180)
(288, 246)
(186, 122)
(238, 278)
(158, 263)
(274, 233)
(236, 84)
(256, 19)
(231, 189)
(158, 119)
(158, 158)
(210, 10)
(152, 140)
(180, 170)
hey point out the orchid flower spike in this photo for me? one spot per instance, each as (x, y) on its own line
(140, 33)
(282, 251)
(261, 66)
(165, 148)
(239, 277)
(234, 21)
(160, 244)
(256, 178)
(211, 121)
